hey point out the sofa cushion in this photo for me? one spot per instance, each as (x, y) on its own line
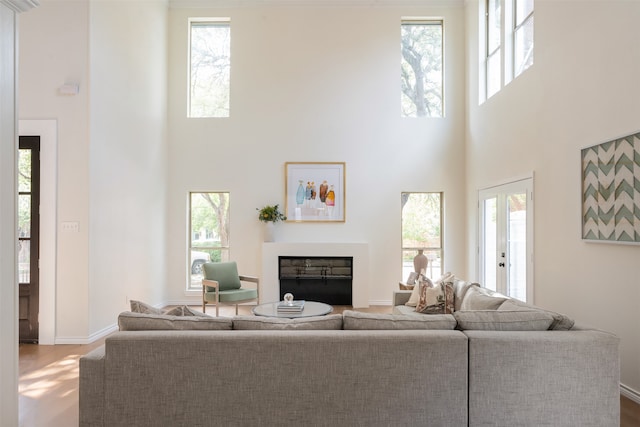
(437, 299)
(494, 320)
(460, 288)
(477, 298)
(367, 321)
(141, 307)
(560, 321)
(129, 321)
(225, 273)
(330, 322)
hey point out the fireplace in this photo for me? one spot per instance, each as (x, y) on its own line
(325, 279)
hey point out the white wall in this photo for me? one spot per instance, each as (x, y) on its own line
(128, 163)
(53, 51)
(111, 151)
(317, 84)
(582, 90)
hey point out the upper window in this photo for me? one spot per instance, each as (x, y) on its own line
(209, 67)
(508, 42)
(421, 68)
(208, 233)
(422, 233)
(522, 36)
(494, 46)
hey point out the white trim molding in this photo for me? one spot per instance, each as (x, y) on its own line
(630, 393)
(20, 6)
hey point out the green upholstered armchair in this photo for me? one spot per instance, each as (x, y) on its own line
(222, 285)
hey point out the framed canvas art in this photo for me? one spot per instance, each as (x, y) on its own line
(315, 192)
(611, 191)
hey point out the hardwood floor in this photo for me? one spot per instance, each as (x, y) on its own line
(48, 383)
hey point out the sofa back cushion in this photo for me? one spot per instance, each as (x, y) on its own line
(477, 298)
(330, 322)
(494, 320)
(368, 321)
(128, 321)
(560, 321)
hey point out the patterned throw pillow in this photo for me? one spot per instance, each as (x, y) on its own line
(415, 294)
(436, 299)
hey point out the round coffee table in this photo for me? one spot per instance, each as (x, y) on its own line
(311, 308)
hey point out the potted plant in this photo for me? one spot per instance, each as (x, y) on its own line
(270, 215)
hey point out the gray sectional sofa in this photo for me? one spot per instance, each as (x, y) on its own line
(350, 369)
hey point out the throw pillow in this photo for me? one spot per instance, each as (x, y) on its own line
(414, 299)
(184, 310)
(355, 320)
(436, 299)
(560, 321)
(141, 307)
(330, 322)
(494, 320)
(129, 321)
(477, 298)
(415, 296)
(460, 288)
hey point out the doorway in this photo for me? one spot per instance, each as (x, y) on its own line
(28, 238)
(506, 239)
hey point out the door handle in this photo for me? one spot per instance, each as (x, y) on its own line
(501, 264)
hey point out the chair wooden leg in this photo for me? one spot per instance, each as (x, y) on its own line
(217, 314)
(236, 309)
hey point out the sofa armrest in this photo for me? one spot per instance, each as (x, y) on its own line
(401, 297)
(91, 389)
(573, 375)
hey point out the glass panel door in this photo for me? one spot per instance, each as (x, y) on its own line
(506, 239)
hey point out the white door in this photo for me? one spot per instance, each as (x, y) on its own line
(506, 239)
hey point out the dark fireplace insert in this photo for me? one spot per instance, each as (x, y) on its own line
(325, 279)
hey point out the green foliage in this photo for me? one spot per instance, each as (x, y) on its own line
(271, 214)
(421, 220)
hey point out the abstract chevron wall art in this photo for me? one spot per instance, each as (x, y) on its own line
(611, 191)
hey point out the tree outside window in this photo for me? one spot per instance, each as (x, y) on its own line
(210, 68)
(421, 68)
(422, 230)
(208, 232)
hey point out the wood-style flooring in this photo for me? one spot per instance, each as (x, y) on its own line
(48, 383)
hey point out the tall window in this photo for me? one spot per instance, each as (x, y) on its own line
(522, 36)
(494, 46)
(208, 233)
(508, 42)
(422, 231)
(421, 68)
(209, 67)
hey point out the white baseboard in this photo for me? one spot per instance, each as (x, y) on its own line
(87, 340)
(630, 393)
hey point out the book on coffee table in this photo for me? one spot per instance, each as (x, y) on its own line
(291, 306)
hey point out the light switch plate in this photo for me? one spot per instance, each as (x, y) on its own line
(71, 226)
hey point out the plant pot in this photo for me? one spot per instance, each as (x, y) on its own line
(269, 232)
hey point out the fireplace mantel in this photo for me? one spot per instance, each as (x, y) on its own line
(269, 281)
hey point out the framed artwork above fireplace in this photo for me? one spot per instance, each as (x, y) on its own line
(315, 192)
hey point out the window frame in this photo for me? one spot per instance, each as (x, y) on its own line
(490, 54)
(190, 284)
(509, 30)
(440, 248)
(203, 21)
(436, 21)
(517, 26)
